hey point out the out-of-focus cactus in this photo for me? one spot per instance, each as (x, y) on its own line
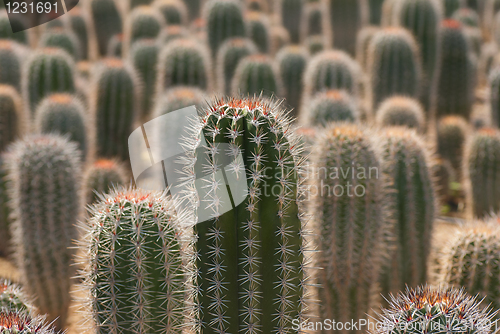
(467, 17)
(412, 205)
(5, 221)
(63, 114)
(363, 40)
(6, 29)
(13, 120)
(137, 3)
(401, 111)
(144, 57)
(315, 44)
(312, 19)
(279, 37)
(454, 90)
(290, 14)
(13, 298)
(101, 177)
(230, 55)
(258, 30)
(475, 39)
(487, 62)
(107, 22)
(20, 322)
(178, 98)
(45, 201)
(135, 243)
(115, 46)
(172, 32)
(345, 19)
(292, 61)
(329, 106)
(47, 71)
(451, 6)
(174, 11)
(265, 276)
(183, 62)
(443, 174)
(388, 76)
(62, 39)
(256, 75)
(79, 24)
(389, 10)
(144, 22)
(451, 135)
(494, 87)
(224, 20)
(10, 64)
(375, 11)
(344, 206)
(194, 8)
(482, 172)
(114, 104)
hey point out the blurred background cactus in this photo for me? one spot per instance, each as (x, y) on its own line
(102, 177)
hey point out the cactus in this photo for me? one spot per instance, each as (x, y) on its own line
(330, 106)
(312, 19)
(363, 40)
(487, 62)
(401, 111)
(261, 243)
(258, 30)
(345, 19)
(115, 99)
(451, 135)
(389, 9)
(137, 3)
(443, 175)
(13, 120)
(442, 309)
(19, 322)
(344, 205)
(194, 9)
(178, 98)
(451, 6)
(224, 20)
(63, 114)
(230, 55)
(412, 202)
(256, 75)
(62, 39)
(279, 37)
(48, 71)
(115, 46)
(170, 33)
(290, 14)
(6, 29)
(389, 77)
(475, 40)
(467, 17)
(107, 22)
(79, 24)
(143, 23)
(453, 93)
(144, 57)
(10, 64)
(174, 11)
(101, 177)
(494, 87)
(45, 202)
(292, 62)
(376, 12)
(482, 172)
(315, 44)
(135, 246)
(13, 298)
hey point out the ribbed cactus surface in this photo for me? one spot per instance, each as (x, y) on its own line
(364, 38)
(256, 75)
(292, 61)
(174, 11)
(13, 298)
(143, 22)
(107, 22)
(10, 64)
(313, 15)
(229, 56)
(452, 132)
(375, 7)
(401, 111)
(44, 173)
(101, 177)
(330, 106)
(135, 247)
(290, 14)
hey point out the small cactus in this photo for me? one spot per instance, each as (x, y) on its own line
(258, 30)
(330, 106)
(13, 119)
(494, 87)
(363, 40)
(451, 6)
(290, 14)
(62, 39)
(101, 177)
(174, 11)
(194, 9)
(256, 75)
(107, 22)
(312, 19)
(345, 19)
(13, 298)
(443, 175)
(376, 11)
(79, 24)
(10, 64)
(315, 44)
(173, 32)
(6, 29)
(144, 22)
(178, 98)
(19, 322)
(115, 46)
(401, 111)
(45, 201)
(452, 132)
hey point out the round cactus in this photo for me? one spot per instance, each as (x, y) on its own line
(174, 11)
(10, 64)
(451, 6)
(19, 322)
(79, 24)
(107, 22)
(144, 22)
(13, 298)
(6, 29)
(290, 14)
(330, 106)
(62, 39)
(194, 9)
(312, 19)
(178, 98)
(258, 30)
(345, 19)
(101, 177)
(451, 135)
(257, 75)
(363, 40)
(466, 16)
(172, 32)
(401, 111)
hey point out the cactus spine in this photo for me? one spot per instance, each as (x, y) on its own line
(290, 13)
(79, 24)
(10, 65)
(258, 30)
(256, 75)
(345, 19)
(64, 40)
(451, 135)
(174, 11)
(45, 201)
(401, 111)
(394, 65)
(135, 246)
(107, 22)
(292, 62)
(101, 177)
(330, 106)
(352, 260)
(265, 268)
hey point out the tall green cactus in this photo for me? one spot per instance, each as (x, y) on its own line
(224, 20)
(144, 22)
(394, 65)
(494, 88)
(135, 246)
(63, 114)
(13, 120)
(482, 172)
(45, 201)
(6, 29)
(5, 221)
(12, 297)
(144, 57)
(401, 111)
(256, 75)
(412, 202)
(260, 245)
(345, 19)
(183, 62)
(343, 206)
(454, 90)
(363, 40)
(107, 22)
(101, 177)
(62, 39)
(290, 15)
(452, 132)
(79, 24)
(451, 6)
(230, 55)
(443, 175)
(258, 30)
(17, 322)
(178, 98)
(292, 61)
(375, 7)
(47, 71)
(113, 108)
(10, 64)
(174, 11)
(330, 106)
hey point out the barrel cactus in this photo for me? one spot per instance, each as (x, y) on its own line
(256, 75)
(44, 173)
(279, 37)
(452, 131)
(62, 39)
(345, 19)
(290, 12)
(315, 44)
(107, 22)
(12, 297)
(443, 175)
(174, 11)
(101, 177)
(78, 22)
(258, 30)
(401, 111)
(467, 16)
(115, 46)
(330, 106)
(10, 64)
(144, 22)
(6, 29)
(375, 7)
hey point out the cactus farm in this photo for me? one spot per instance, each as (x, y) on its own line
(249, 166)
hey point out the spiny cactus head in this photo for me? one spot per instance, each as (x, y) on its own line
(401, 111)
(390, 36)
(62, 38)
(13, 298)
(257, 74)
(331, 106)
(14, 322)
(174, 11)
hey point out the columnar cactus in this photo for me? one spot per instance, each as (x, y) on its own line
(63, 114)
(101, 177)
(494, 86)
(174, 11)
(79, 24)
(144, 57)
(230, 55)
(12, 297)
(113, 108)
(13, 119)
(442, 309)
(258, 30)
(143, 22)
(292, 62)
(343, 206)
(256, 75)
(10, 64)
(452, 132)
(16, 322)
(451, 6)
(363, 40)
(5, 221)
(135, 244)
(454, 90)
(47, 71)
(224, 20)
(443, 175)
(375, 7)
(107, 22)
(183, 62)
(178, 98)
(62, 39)
(290, 14)
(115, 46)
(330, 106)
(45, 202)
(194, 9)
(389, 77)
(401, 111)
(345, 19)
(264, 279)
(482, 172)
(312, 19)
(467, 17)
(6, 29)
(412, 202)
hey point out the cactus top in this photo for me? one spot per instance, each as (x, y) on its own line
(451, 24)
(13, 298)
(453, 120)
(12, 322)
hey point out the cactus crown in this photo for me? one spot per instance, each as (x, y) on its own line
(331, 106)
(401, 110)
(13, 322)
(13, 298)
